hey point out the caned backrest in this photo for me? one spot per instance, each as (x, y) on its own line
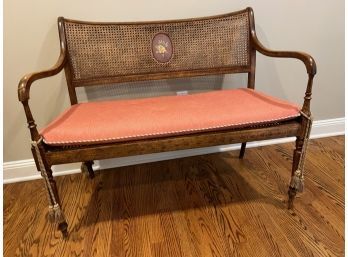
(101, 53)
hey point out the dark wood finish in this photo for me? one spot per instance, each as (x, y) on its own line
(242, 150)
(87, 167)
(58, 155)
(159, 76)
(305, 58)
(106, 151)
(252, 53)
(53, 195)
(296, 158)
(299, 150)
(156, 75)
(211, 205)
(25, 84)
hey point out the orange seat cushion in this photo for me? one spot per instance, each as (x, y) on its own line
(124, 120)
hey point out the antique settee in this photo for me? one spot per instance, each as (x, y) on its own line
(96, 53)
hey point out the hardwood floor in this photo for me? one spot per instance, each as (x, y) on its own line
(212, 205)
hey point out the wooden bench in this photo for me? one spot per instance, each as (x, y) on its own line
(93, 53)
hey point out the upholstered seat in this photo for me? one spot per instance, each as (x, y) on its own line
(124, 120)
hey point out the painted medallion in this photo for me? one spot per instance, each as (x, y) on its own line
(162, 48)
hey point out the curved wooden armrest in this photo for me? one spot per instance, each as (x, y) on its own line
(305, 58)
(27, 80)
(24, 90)
(25, 83)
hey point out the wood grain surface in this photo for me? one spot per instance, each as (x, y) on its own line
(211, 205)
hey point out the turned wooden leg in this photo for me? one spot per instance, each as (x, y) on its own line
(296, 158)
(87, 167)
(298, 152)
(242, 151)
(56, 206)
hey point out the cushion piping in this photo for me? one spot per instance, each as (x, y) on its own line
(110, 140)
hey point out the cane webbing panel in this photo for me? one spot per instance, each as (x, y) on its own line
(103, 50)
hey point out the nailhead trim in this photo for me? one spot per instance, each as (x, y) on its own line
(164, 133)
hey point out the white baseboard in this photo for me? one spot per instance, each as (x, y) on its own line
(24, 170)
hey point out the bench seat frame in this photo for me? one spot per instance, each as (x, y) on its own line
(45, 155)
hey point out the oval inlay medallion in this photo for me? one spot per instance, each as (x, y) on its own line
(162, 48)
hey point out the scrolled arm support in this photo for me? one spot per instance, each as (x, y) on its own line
(308, 61)
(24, 91)
(26, 81)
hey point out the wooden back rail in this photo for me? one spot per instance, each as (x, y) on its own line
(236, 31)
